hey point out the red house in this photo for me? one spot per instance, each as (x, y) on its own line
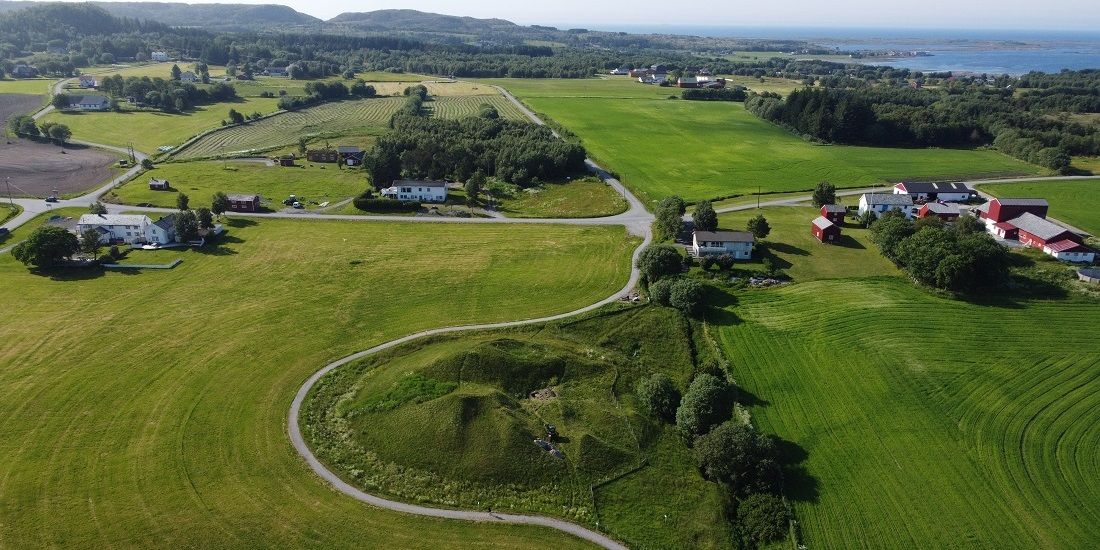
(946, 212)
(834, 213)
(1003, 210)
(1037, 232)
(244, 203)
(825, 230)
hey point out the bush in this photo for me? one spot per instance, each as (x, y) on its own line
(706, 262)
(659, 260)
(763, 518)
(686, 295)
(706, 403)
(660, 291)
(659, 396)
(738, 455)
(724, 261)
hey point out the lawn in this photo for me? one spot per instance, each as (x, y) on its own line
(794, 249)
(584, 198)
(9, 211)
(148, 130)
(200, 180)
(925, 422)
(35, 86)
(467, 420)
(702, 150)
(150, 409)
(1076, 202)
(23, 231)
(1090, 165)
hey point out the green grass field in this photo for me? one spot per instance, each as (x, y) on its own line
(927, 422)
(584, 198)
(200, 180)
(9, 211)
(35, 86)
(794, 249)
(1090, 165)
(149, 409)
(149, 130)
(463, 408)
(702, 150)
(1076, 202)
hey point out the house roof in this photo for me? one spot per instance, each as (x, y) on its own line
(892, 198)
(348, 149)
(419, 183)
(823, 222)
(88, 100)
(113, 219)
(1037, 226)
(158, 182)
(1021, 202)
(242, 197)
(725, 236)
(934, 187)
(942, 208)
(1067, 245)
(1004, 225)
(834, 208)
(166, 222)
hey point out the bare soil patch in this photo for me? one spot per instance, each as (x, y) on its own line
(17, 104)
(37, 169)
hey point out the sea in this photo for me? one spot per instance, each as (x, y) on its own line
(983, 51)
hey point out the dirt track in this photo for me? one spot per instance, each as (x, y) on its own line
(36, 169)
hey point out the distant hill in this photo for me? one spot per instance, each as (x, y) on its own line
(207, 16)
(418, 21)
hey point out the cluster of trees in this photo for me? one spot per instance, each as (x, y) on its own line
(167, 95)
(733, 93)
(1027, 127)
(430, 148)
(25, 126)
(727, 451)
(661, 265)
(318, 92)
(960, 258)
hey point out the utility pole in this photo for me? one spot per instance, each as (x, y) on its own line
(758, 197)
(8, 181)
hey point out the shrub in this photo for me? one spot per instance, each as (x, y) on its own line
(659, 260)
(660, 291)
(659, 396)
(759, 226)
(706, 262)
(686, 295)
(763, 518)
(738, 455)
(706, 403)
(724, 261)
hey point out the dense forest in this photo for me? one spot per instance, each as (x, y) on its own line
(432, 148)
(1029, 124)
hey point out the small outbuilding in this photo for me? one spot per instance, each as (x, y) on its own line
(948, 212)
(244, 203)
(159, 185)
(834, 213)
(286, 160)
(824, 230)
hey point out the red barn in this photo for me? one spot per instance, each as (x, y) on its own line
(244, 203)
(834, 213)
(825, 230)
(1003, 210)
(946, 212)
(1037, 232)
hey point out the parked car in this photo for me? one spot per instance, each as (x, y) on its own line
(51, 198)
(298, 205)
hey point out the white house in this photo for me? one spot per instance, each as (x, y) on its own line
(89, 103)
(129, 228)
(880, 203)
(87, 81)
(735, 243)
(188, 76)
(413, 190)
(620, 71)
(949, 191)
(158, 56)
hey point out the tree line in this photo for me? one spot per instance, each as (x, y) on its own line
(167, 95)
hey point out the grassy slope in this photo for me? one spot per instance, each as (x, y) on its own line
(1076, 202)
(928, 422)
(149, 130)
(1087, 164)
(795, 250)
(128, 424)
(712, 149)
(586, 198)
(35, 86)
(200, 180)
(9, 211)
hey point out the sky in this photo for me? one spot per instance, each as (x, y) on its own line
(596, 14)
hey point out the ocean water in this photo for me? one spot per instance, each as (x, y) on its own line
(977, 51)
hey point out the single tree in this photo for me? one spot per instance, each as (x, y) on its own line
(176, 72)
(675, 202)
(46, 246)
(61, 133)
(60, 101)
(303, 142)
(759, 226)
(764, 518)
(706, 403)
(186, 225)
(686, 295)
(90, 243)
(659, 260)
(704, 217)
(660, 292)
(206, 218)
(824, 193)
(737, 454)
(659, 396)
(235, 117)
(97, 208)
(473, 186)
(182, 200)
(669, 220)
(219, 204)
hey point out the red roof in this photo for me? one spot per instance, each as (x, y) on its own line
(1005, 226)
(1067, 245)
